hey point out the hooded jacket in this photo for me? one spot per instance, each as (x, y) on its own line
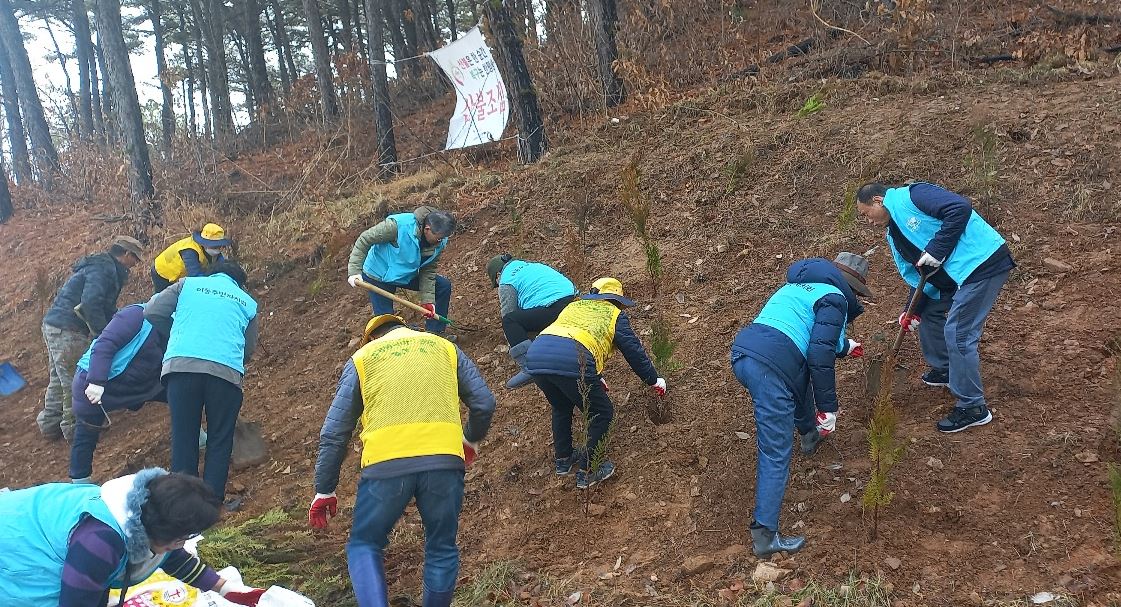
(95, 284)
(139, 381)
(831, 313)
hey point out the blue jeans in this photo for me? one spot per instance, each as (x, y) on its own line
(384, 305)
(778, 410)
(950, 333)
(380, 503)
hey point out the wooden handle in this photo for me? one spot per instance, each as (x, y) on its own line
(910, 310)
(400, 300)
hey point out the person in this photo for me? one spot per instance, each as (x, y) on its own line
(785, 358)
(402, 252)
(190, 256)
(79, 312)
(937, 232)
(412, 447)
(530, 297)
(567, 361)
(67, 545)
(214, 335)
(120, 370)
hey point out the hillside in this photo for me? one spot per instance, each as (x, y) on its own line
(740, 186)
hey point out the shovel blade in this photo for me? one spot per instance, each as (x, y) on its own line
(250, 448)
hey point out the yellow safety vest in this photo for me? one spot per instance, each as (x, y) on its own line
(590, 322)
(410, 397)
(170, 265)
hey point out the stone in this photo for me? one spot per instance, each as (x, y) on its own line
(975, 598)
(935, 463)
(732, 551)
(767, 571)
(697, 564)
(1057, 266)
(596, 509)
(846, 497)
(893, 562)
(1086, 457)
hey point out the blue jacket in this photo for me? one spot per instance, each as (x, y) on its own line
(556, 355)
(96, 282)
(126, 360)
(399, 264)
(211, 316)
(537, 284)
(346, 409)
(35, 527)
(816, 317)
(926, 217)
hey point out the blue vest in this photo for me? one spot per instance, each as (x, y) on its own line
(210, 321)
(537, 284)
(123, 356)
(399, 264)
(977, 243)
(791, 310)
(35, 527)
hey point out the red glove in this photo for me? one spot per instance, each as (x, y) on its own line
(909, 322)
(431, 310)
(826, 423)
(659, 387)
(470, 452)
(856, 350)
(248, 598)
(604, 382)
(323, 507)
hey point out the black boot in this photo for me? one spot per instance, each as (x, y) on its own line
(437, 599)
(765, 542)
(810, 441)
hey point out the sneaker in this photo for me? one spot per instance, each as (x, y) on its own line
(936, 378)
(605, 471)
(961, 418)
(565, 465)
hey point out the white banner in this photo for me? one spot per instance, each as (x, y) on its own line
(481, 108)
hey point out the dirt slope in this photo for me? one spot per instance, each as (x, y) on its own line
(740, 188)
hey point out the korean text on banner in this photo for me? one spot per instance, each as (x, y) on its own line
(481, 108)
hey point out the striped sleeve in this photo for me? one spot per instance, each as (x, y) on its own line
(92, 556)
(189, 569)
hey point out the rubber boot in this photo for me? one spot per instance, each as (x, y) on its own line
(765, 542)
(518, 353)
(437, 599)
(367, 575)
(810, 441)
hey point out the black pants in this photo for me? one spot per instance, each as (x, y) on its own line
(517, 325)
(564, 395)
(188, 396)
(159, 283)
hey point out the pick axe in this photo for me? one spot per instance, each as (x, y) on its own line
(402, 301)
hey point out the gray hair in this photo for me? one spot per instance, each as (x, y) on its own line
(870, 190)
(441, 222)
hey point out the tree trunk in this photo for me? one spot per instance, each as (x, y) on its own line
(396, 37)
(346, 17)
(200, 61)
(189, 81)
(95, 98)
(532, 142)
(66, 75)
(83, 52)
(112, 132)
(17, 136)
(6, 209)
(42, 147)
(359, 38)
(275, 28)
(605, 21)
(323, 75)
(144, 208)
(531, 23)
(283, 41)
(255, 48)
(422, 21)
(383, 115)
(167, 111)
(214, 35)
(453, 19)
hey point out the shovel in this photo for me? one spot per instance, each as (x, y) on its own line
(402, 301)
(874, 373)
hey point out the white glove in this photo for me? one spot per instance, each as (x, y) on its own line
(660, 387)
(353, 280)
(233, 586)
(826, 423)
(94, 392)
(928, 260)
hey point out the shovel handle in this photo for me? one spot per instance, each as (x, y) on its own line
(910, 310)
(400, 300)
